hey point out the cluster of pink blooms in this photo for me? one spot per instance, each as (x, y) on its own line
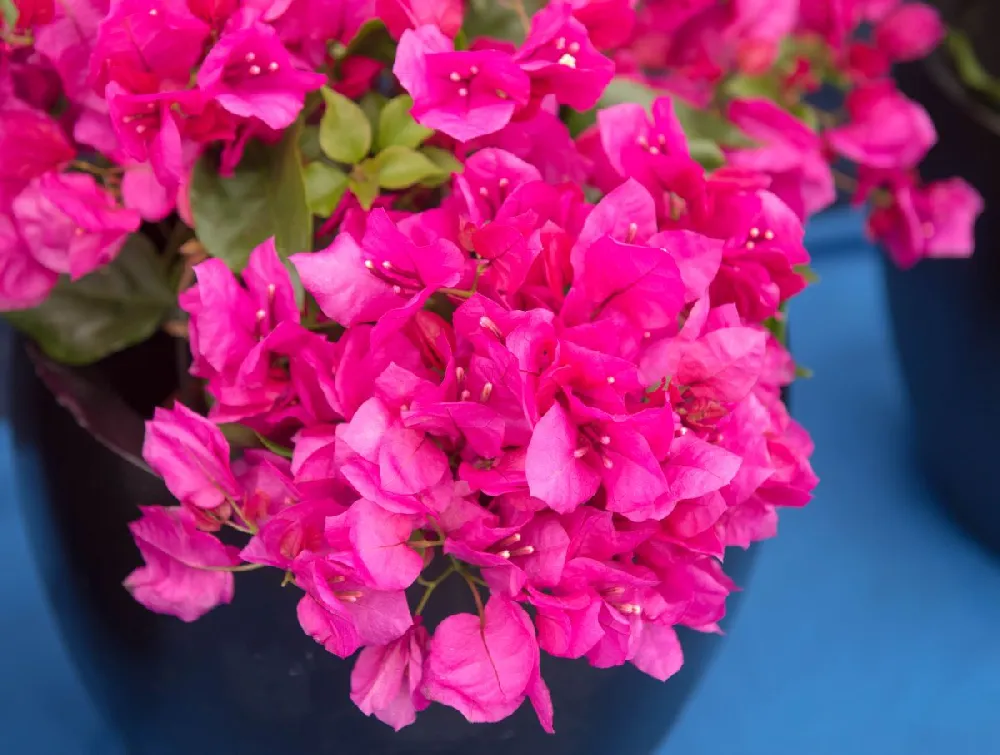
(553, 378)
(794, 47)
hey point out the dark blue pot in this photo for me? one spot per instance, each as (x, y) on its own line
(245, 679)
(946, 315)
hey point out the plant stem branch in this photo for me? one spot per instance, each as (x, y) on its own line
(432, 586)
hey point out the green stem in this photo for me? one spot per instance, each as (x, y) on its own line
(251, 527)
(457, 292)
(425, 543)
(432, 586)
(241, 567)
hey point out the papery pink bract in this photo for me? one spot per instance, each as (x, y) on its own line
(386, 681)
(910, 31)
(186, 570)
(463, 94)
(251, 74)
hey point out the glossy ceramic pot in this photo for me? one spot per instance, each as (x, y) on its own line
(946, 315)
(245, 679)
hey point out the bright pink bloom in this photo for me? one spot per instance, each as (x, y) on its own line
(147, 130)
(386, 681)
(185, 573)
(342, 613)
(400, 15)
(380, 539)
(609, 23)
(191, 454)
(32, 144)
(387, 277)
(909, 32)
(142, 44)
(31, 13)
(251, 74)
(562, 61)
(937, 220)
(295, 530)
(483, 669)
(886, 129)
(71, 224)
(462, 94)
(790, 152)
(24, 282)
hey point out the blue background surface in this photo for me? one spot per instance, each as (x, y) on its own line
(870, 626)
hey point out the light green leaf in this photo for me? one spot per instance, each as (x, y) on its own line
(767, 86)
(808, 273)
(446, 162)
(111, 309)
(9, 13)
(325, 185)
(401, 167)
(363, 183)
(396, 126)
(265, 197)
(274, 448)
(345, 135)
(706, 153)
(372, 103)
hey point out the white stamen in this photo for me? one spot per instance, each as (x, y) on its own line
(504, 554)
(574, 47)
(605, 440)
(561, 43)
(581, 452)
(387, 265)
(642, 141)
(463, 92)
(484, 192)
(633, 229)
(769, 235)
(501, 94)
(369, 264)
(567, 60)
(455, 76)
(397, 289)
(474, 70)
(140, 129)
(647, 334)
(153, 12)
(465, 395)
(525, 551)
(608, 464)
(754, 233)
(272, 66)
(460, 374)
(261, 314)
(611, 379)
(751, 245)
(503, 183)
(254, 70)
(271, 288)
(486, 392)
(654, 151)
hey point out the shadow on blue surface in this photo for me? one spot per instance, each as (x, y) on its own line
(869, 627)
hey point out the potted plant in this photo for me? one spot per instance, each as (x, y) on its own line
(946, 313)
(475, 412)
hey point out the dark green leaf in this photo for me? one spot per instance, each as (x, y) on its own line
(345, 135)
(496, 19)
(239, 436)
(973, 74)
(372, 103)
(401, 167)
(264, 197)
(274, 448)
(808, 273)
(803, 373)
(396, 126)
(373, 41)
(325, 185)
(109, 310)
(309, 144)
(706, 153)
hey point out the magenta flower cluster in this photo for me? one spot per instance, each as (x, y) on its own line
(543, 362)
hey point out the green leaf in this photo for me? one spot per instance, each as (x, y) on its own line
(274, 448)
(325, 186)
(345, 135)
(363, 183)
(111, 309)
(372, 103)
(396, 126)
(309, 144)
(446, 162)
(9, 13)
(265, 197)
(708, 124)
(808, 273)
(766, 86)
(402, 167)
(803, 373)
(706, 153)
(372, 41)
(239, 436)
(973, 74)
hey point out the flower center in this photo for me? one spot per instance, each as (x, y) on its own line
(401, 281)
(593, 441)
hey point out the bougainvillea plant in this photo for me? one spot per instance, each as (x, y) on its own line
(471, 296)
